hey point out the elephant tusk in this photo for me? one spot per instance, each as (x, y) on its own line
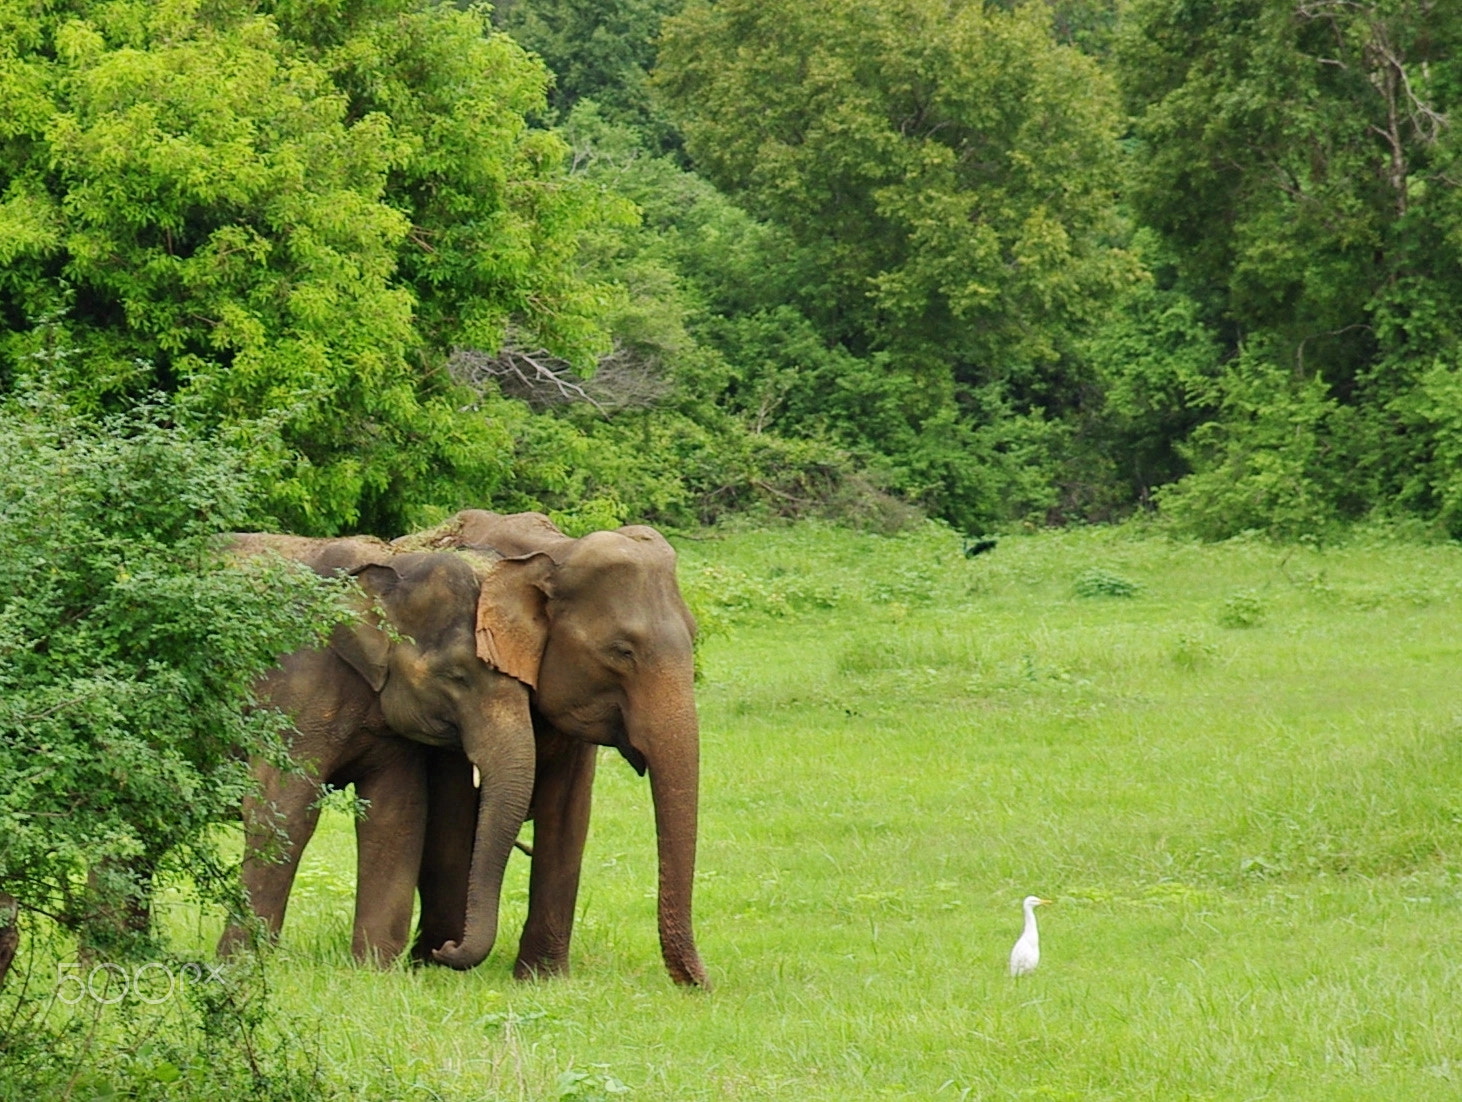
(524, 846)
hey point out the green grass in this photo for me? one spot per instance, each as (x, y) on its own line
(1239, 774)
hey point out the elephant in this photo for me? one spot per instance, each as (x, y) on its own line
(401, 710)
(617, 670)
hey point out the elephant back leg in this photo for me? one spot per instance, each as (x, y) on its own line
(446, 859)
(392, 778)
(278, 822)
(327, 702)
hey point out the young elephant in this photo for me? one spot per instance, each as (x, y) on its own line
(617, 670)
(393, 711)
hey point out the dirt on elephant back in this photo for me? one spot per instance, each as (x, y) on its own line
(299, 548)
(440, 537)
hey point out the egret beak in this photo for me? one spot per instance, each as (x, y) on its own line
(1044, 902)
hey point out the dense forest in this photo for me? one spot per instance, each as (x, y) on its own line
(1045, 261)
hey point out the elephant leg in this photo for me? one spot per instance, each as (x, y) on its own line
(121, 904)
(286, 801)
(388, 852)
(561, 799)
(446, 858)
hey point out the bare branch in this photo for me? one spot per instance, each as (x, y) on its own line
(1380, 55)
(537, 376)
(626, 378)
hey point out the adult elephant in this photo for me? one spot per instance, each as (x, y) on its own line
(617, 670)
(394, 708)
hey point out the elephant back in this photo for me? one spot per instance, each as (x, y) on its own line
(327, 557)
(510, 534)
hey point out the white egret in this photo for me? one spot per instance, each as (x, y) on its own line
(1027, 952)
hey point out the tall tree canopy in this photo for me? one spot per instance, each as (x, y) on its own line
(1300, 160)
(946, 174)
(916, 244)
(295, 208)
(949, 167)
(602, 50)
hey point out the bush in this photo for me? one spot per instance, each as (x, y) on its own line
(1244, 609)
(1103, 583)
(128, 647)
(1274, 461)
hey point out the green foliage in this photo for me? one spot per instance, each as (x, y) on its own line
(946, 177)
(1156, 363)
(166, 1029)
(720, 397)
(1090, 25)
(590, 1086)
(128, 648)
(281, 210)
(1244, 609)
(599, 50)
(949, 170)
(762, 408)
(1192, 652)
(900, 260)
(1277, 459)
(1300, 163)
(1096, 582)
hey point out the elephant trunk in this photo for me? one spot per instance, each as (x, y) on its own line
(670, 742)
(504, 759)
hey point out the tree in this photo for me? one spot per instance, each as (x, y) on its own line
(945, 175)
(950, 169)
(600, 50)
(128, 648)
(1299, 159)
(282, 208)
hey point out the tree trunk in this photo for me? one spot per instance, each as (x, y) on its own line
(9, 934)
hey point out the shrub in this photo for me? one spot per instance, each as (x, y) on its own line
(1274, 461)
(128, 647)
(1244, 609)
(1096, 582)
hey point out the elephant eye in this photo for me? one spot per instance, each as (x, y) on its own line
(622, 651)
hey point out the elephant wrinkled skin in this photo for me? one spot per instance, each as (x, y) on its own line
(401, 713)
(617, 670)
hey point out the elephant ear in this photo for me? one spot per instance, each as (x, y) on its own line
(512, 615)
(362, 644)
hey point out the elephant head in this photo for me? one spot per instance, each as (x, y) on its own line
(439, 680)
(617, 670)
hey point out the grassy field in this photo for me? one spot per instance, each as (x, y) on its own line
(1235, 769)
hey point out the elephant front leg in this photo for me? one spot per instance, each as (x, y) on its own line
(446, 858)
(287, 802)
(388, 854)
(561, 799)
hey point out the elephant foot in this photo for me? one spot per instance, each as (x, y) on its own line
(238, 939)
(540, 968)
